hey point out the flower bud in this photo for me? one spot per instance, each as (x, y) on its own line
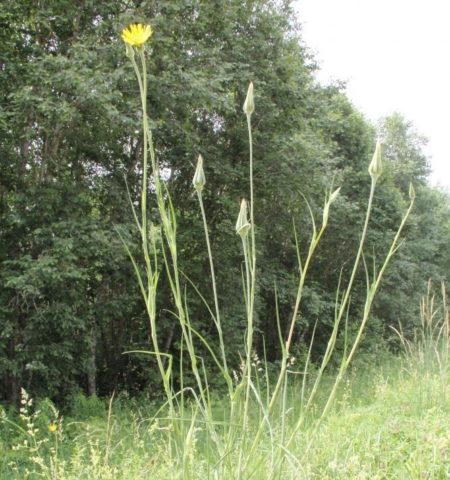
(334, 195)
(249, 104)
(129, 51)
(326, 208)
(376, 167)
(199, 176)
(242, 225)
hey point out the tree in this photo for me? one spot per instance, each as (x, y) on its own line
(68, 120)
(424, 254)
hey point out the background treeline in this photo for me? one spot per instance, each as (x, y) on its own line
(70, 142)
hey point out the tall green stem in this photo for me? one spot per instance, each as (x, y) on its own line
(216, 300)
(151, 276)
(367, 308)
(286, 347)
(252, 268)
(169, 228)
(343, 306)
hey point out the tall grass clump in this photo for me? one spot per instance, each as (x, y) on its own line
(429, 347)
(258, 436)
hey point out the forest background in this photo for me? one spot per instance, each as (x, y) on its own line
(69, 302)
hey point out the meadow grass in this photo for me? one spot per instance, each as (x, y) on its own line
(389, 421)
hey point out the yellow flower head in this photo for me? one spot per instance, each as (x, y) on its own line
(52, 427)
(136, 34)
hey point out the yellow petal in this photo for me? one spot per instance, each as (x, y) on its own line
(136, 34)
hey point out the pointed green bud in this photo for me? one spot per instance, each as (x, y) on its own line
(412, 192)
(242, 225)
(376, 167)
(129, 51)
(334, 195)
(249, 104)
(199, 179)
(326, 208)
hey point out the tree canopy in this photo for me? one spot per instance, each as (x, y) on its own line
(70, 148)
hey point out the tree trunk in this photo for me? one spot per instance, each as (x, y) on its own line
(92, 365)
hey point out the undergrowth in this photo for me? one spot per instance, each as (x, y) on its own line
(389, 421)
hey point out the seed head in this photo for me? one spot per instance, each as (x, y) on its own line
(249, 104)
(242, 225)
(376, 167)
(199, 179)
(326, 208)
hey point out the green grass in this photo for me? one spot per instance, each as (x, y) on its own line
(388, 422)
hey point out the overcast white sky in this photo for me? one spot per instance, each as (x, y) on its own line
(394, 56)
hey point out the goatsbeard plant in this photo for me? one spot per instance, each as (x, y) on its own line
(233, 443)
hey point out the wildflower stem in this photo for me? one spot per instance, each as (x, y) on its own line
(344, 303)
(216, 301)
(151, 275)
(286, 346)
(341, 311)
(169, 227)
(252, 264)
(367, 308)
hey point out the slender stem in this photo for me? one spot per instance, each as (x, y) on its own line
(286, 347)
(345, 300)
(370, 296)
(245, 249)
(143, 228)
(253, 243)
(169, 226)
(369, 300)
(252, 217)
(252, 268)
(216, 300)
(151, 277)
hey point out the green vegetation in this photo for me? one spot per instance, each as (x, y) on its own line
(123, 280)
(390, 421)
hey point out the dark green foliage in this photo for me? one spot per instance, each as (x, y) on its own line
(69, 124)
